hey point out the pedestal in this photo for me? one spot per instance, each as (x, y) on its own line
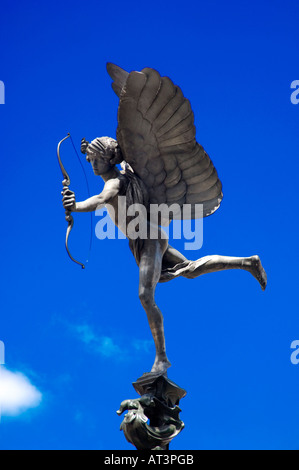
(153, 419)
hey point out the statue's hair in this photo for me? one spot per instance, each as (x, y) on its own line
(104, 146)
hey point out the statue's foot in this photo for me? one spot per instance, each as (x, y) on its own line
(258, 271)
(160, 366)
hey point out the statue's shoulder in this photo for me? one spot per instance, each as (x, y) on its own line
(121, 183)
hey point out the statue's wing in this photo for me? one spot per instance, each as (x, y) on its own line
(156, 134)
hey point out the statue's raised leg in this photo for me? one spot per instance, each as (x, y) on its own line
(211, 264)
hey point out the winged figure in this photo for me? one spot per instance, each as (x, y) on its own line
(164, 165)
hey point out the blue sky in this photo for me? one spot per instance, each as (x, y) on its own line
(76, 340)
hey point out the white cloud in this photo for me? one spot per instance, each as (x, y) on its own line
(108, 346)
(85, 333)
(99, 344)
(143, 345)
(17, 394)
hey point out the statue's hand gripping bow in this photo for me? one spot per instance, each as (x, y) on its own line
(68, 217)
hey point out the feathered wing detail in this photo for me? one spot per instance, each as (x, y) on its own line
(156, 134)
(119, 76)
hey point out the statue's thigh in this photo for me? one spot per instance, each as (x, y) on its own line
(172, 257)
(151, 262)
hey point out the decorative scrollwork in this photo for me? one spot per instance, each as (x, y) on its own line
(159, 406)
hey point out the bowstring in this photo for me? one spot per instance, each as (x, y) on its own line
(89, 195)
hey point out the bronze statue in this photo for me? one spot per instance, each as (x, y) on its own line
(164, 171)
(163, 164)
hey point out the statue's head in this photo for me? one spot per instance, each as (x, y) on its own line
(103, 153)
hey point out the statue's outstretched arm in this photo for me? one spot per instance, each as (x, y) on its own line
(111, 189)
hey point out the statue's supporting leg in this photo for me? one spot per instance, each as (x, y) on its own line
(149, 275)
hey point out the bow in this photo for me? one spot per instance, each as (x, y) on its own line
(68, 217)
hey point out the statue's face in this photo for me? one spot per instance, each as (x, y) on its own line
(99, 162)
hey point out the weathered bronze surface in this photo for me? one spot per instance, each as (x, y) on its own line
(162, 163)
(159, 404)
